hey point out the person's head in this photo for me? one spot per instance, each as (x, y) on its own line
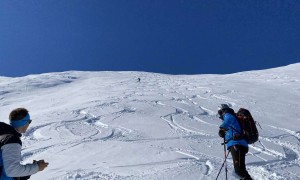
(20, 119)
(224, 108)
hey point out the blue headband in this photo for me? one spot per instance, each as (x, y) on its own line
(21, 122)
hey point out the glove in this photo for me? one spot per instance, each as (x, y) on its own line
(222, 132)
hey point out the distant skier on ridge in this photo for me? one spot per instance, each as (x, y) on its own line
(238, 147)
(11, 144)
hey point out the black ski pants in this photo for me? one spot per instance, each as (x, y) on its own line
(238, 154)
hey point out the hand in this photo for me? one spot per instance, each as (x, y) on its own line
(42, 164)
(222, 132)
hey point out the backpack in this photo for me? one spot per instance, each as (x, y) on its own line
(248, 126)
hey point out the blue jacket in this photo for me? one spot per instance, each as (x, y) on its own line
(232, 127)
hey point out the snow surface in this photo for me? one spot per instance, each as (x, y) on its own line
(106, 125)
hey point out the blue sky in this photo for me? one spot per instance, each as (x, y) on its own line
(165, 36)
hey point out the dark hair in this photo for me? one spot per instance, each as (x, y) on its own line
(221, 112)
(18, 114)
(229, 110)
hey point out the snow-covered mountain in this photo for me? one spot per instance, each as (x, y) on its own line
(107, 125)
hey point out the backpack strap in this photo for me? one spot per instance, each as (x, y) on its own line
(239, 135)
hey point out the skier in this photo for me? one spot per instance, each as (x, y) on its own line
(238, 147)
(11, 144)
(139, 79)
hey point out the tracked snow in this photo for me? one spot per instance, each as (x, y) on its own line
(107, 125)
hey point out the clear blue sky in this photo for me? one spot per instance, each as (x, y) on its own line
(165, 36)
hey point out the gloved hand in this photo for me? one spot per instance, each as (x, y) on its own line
(222, 132)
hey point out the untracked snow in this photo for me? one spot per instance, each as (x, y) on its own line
(107, 125)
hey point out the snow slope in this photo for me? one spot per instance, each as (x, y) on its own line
(106, 125)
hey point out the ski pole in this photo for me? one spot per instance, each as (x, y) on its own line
(224, 163)
(226, 170)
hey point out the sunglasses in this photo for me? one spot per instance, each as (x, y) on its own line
(29, 121)
(220, 112)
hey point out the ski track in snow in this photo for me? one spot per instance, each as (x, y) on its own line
(187, 148)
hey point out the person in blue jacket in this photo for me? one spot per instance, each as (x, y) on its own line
(238, 147)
